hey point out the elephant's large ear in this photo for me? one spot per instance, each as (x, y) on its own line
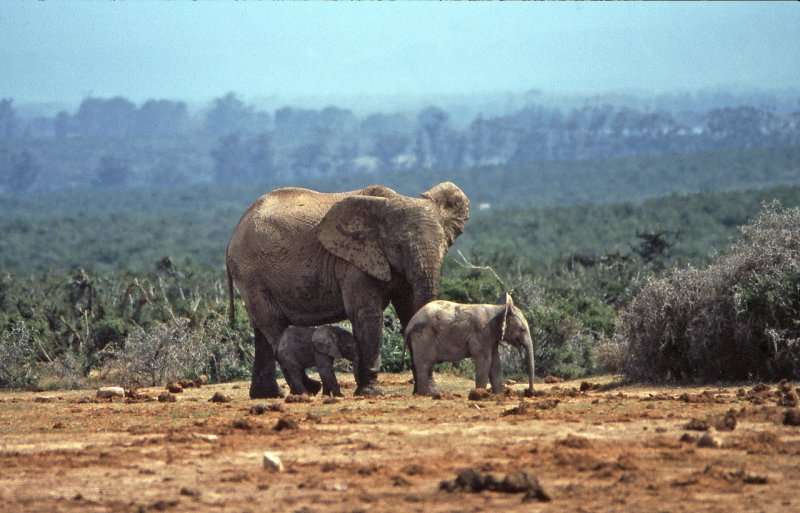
(324, 341)
(453, 208)
(350, 230)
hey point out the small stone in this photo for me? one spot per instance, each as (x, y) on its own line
(298, 398)
(110, 392)
(258, 409)
(448, 485)
(710, 440)
(575, 442)
(697, 425)
(285, 423)
(517, 482)
(790, 399)
(479, 394)
(728, 422)
(204, 437)
(791, 418)
(587, 386)
(470, 479)
(166, 397)
(219, 397)
(272, 462)
(749, 478)
(174, 388)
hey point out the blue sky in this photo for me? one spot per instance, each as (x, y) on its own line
(195, 51)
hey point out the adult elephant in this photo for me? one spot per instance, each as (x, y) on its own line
(304, 258)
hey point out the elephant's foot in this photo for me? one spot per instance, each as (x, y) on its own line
(311, 385)
(430, 390)
(265, 390)
(371, 390)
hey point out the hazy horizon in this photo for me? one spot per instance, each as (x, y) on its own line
(62, 52)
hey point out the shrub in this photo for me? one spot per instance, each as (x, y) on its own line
(736, 319)
(18, 357)
(161, 354)
(394, 353)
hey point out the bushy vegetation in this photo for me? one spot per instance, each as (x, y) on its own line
(139, 327)
(130, 313)
(736, 319)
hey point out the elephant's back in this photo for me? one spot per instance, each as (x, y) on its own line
(278, 217)
(292, 205)
(436, 312)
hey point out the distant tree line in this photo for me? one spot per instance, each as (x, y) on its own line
(231, 141)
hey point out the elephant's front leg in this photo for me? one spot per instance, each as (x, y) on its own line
(496, 371)
(483, 366)
(368, 330)
(324, 364)
(264, 382)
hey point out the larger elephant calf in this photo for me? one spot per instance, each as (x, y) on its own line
(304, 258)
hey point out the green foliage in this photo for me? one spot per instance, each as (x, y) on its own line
(84, 270)
(735, 319)
(394, 352)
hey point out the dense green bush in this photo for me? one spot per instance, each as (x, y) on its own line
(735, 319)
(395, 356)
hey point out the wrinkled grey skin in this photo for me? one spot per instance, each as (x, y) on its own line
(305, 258)
(300, 348)
(442, 331)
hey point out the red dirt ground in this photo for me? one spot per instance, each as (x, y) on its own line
(613, 448)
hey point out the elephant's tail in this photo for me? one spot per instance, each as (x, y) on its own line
(231, 306)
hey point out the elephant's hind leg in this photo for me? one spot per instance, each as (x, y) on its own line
(312, 385)
(264, 382)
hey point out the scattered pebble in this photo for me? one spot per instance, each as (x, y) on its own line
(285, 423)
(479, 394)
(575, 442)
(272, 462)
(697, 425)
(174, 388)
(219, 397)
(472, 480)
(166, 397)
(710, 440)
(205, 437)
(727, 422)
(790, 399)
(295, 398)
(791, 418)
(110, 392)
(587, 386)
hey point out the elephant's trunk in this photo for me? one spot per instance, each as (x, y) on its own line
(425, 275)
(529, 364)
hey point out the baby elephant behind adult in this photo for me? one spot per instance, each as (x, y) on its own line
(300, 348)
(443, 331)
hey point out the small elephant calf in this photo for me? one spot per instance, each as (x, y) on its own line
(300, 348)
(443, 331)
